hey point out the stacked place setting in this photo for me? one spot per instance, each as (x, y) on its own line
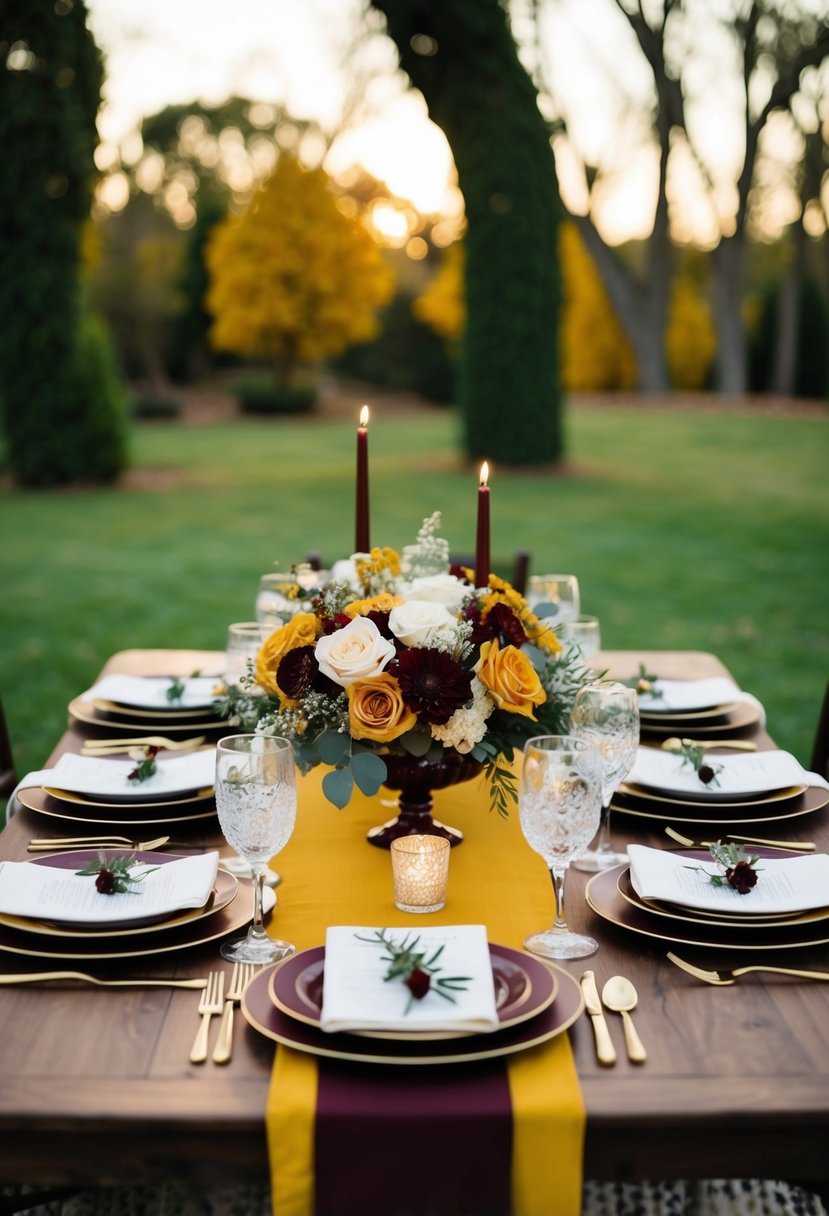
(176, 706)
(710, 708)
(115, 904)
(760, 897)
(336, 1000)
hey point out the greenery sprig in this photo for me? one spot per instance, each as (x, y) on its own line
(115, 875)
(644, 682)
(411, 965)
(739, 867)
(145, 767)
(176, 690)
(695, 756)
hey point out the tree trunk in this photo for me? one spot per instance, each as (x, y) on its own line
(727, 289)
(462, 58)
(784, 370)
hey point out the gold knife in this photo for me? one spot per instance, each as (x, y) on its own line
(605, 1051)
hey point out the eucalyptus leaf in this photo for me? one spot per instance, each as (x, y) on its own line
(332, 747)
(415, 742)
(337, 786)
(369, 772)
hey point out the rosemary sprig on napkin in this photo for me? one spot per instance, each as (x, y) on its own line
(411, 965)
(115, 875)
(738, 867)
(695, 756)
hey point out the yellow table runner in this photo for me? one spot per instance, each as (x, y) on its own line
(331, 875)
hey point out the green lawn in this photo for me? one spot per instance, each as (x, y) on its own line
(687, 530)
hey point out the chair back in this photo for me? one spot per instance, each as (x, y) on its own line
(8, 774)
(820, 750)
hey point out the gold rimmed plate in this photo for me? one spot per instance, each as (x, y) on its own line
(224, 892)
(746, 920)
(186, 798)
(702, 714)
(272, 1022)
(524, 987)
(738, 717)
(603, 896)
(718, 816)
(649, 793)
(121, 815)
(119, 709)
(112, 723)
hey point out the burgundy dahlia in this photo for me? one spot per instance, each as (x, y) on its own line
(296, 671)
(741, 877)
(105, 882)
(418, 983)
(502, 620)
(433, 684)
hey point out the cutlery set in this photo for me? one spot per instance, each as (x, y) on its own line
(213, 1002)
(112, 747)
(793, 846)
(619, 996)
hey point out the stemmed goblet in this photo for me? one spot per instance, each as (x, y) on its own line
(256, 801)
(559, 804)
(607, 714)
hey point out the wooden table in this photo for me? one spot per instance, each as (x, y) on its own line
(96, 1087)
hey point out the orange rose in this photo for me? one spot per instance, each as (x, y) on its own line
(301, 630)
(377, 711)
(378, 603)
(511, 678)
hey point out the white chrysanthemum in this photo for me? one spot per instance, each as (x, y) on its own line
(467, 726)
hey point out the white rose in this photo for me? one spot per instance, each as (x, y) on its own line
(416, 621)
(439, 589)
(345, 571)
(356, 652)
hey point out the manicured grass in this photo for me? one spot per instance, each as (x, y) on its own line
(687, 531)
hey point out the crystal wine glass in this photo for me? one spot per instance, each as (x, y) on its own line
(559, 805)
(256, 801)
(554, 597)
(607, 714)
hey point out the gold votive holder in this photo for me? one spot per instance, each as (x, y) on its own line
(420, 869)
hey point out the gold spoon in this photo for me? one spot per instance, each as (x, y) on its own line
(619, 995)
(736, 745)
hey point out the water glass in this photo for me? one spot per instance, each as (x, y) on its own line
(584, 633)
(559, 805)
(554, 598)
(256, 802)
(606, 713)
(244, 640)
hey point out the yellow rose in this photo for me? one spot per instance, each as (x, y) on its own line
(376, 709)
(301, 630)
(511, 678)
(378, 603)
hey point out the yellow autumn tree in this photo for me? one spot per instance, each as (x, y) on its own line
(292, 279)
(690, 340)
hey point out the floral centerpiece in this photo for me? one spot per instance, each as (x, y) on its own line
(403, 655)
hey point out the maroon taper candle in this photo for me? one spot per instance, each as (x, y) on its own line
(482, 539)
(361, 526)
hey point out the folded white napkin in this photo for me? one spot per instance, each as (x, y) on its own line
(53, 893)
(109, 778)
(786, 884)
(744, 775)
(674, 696)
(356, 997)
(150, 692)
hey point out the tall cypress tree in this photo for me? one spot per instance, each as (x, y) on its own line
(462, 57)
(60, 408)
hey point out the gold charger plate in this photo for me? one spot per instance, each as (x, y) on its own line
(119, 709)
(740, 716)
(691, 715)
(771, 810)
(651, 794)
(85, 711)
(224, 892)
(39, 801)
(524, 987)
(602, 895)
(186, 798)
(260, 1011)
(234, 917)
(747, 920)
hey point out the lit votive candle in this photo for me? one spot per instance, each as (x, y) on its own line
(420, 869)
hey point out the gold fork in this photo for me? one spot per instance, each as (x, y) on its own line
(101, 746)
(240, 977)
(211, 1001)
(793, 846)
(41, 845)
(724, 978)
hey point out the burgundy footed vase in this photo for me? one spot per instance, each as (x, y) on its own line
(415, 777)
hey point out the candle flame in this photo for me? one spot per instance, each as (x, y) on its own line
(364, 416)
(484, 473)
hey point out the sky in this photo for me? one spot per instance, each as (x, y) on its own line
(290, 51)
